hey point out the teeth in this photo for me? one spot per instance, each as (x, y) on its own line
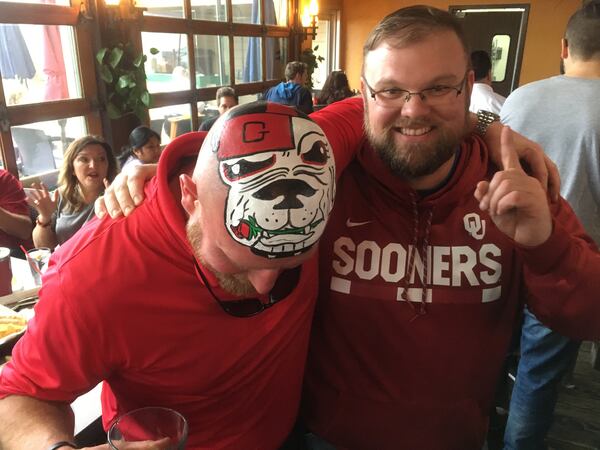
(415, 131)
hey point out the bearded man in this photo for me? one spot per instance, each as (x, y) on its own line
(427, 256)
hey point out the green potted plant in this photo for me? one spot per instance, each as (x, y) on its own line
(122, 71)
(312, 62)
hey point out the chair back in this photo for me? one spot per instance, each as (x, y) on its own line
(35, 148)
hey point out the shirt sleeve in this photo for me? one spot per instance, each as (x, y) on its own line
(562, 277)
(342, 123)
(60, 356)
(12, 196)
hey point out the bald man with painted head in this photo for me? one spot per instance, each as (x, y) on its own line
(199, 301)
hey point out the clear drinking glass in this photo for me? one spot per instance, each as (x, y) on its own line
(38, 262)
(160, 428)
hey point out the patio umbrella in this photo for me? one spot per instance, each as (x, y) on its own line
(53, 65)
(15, 60)
(252, 69)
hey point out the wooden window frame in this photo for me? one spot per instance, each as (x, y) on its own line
(86, 106)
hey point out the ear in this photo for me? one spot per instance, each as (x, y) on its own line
(189, 194)
(469, 83)
(564, 48)
(137, 152)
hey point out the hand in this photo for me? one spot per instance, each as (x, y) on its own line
(43, 201)
(126, 191)
(516, 202)
(530, 152)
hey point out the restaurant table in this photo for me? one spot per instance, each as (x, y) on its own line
(87, 407)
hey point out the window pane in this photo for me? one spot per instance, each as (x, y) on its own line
(499, 56)
(171, 121)
(212, 60)
(173, 8)
(40, 146)
(168, 70)
(246, 11)
(277, 56)
(33, 62)
(248, 59)
(209, 10)
(276, 12)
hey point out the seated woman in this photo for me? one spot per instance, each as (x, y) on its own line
(143, 148)
(88, 161)
(335, 88)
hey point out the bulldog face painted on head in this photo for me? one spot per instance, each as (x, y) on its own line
(280, 171)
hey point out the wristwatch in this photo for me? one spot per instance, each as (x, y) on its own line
(484, 119)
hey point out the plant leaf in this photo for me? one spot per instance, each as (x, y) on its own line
(113, 111)
(115, 57)
(106, 74)
(153, 51)
(137, 62)
(126, 81)
(145, 98)
(100, 55)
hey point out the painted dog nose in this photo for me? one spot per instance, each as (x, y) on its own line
(289, 190)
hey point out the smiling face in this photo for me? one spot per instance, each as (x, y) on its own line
(416, 139)
(90, 167)
(280, 172)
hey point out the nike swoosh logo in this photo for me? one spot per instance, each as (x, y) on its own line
(351, 224)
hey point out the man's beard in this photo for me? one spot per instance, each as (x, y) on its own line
(412, 161)
(236, 284)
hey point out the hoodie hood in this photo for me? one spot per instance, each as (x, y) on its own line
(286, 91)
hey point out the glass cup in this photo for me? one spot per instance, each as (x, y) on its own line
(160, 428)
(38, 262)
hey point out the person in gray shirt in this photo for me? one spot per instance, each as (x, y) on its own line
(88, 161)
(561, 113)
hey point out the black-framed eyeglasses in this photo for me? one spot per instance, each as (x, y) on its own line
(248, 307)
(433, 96)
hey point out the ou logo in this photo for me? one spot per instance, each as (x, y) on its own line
(474, 225)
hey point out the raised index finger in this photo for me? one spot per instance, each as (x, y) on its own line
(510, 159)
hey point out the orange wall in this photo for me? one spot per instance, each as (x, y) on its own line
(545, 27)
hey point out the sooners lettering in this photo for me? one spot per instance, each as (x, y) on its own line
(447, 265)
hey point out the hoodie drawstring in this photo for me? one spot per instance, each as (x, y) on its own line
(413, 248)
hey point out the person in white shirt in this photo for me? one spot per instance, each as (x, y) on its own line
(483, 96)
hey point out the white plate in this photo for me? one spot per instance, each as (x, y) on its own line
(25, 313)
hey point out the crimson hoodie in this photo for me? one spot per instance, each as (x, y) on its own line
(386, 374)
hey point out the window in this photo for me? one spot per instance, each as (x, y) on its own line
(48, 81)
(201, 48)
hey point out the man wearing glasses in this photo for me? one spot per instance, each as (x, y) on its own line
(429, 252)
(174, 305)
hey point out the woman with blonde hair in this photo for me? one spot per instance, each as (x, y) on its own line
(88, 161)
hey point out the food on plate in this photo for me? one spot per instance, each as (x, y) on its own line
(11, 324)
